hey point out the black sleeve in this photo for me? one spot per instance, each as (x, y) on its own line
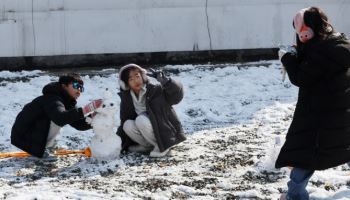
(57, 112)
(304, 73)
(81, 125)
(173, 91)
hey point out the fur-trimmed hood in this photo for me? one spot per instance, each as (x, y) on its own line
(122, 84)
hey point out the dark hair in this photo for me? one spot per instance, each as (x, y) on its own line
(317, 20)
(125, 74)
(70, 78)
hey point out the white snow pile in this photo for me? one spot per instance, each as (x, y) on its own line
(235, 116)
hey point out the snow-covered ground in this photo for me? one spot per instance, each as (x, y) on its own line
(235, 116)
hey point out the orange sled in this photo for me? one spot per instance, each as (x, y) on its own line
(61, 152)
(15, 155)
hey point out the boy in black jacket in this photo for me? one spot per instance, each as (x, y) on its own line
(40, 121)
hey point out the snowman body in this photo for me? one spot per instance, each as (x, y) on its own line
(105, 144)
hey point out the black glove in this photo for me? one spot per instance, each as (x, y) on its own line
(159, 75)
(289, 59)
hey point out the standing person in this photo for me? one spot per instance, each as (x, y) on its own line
(40, 121)
(148, 120)
(319, 136)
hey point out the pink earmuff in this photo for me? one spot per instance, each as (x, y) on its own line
(304, 32)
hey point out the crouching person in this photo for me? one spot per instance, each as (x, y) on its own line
(40, 121)
(148, 121)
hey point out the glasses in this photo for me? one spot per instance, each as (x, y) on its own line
(78, 86)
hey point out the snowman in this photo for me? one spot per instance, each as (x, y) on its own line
(105, 144)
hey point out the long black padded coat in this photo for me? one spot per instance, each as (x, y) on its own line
(319, 136)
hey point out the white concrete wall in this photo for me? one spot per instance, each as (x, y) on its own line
(66, 27)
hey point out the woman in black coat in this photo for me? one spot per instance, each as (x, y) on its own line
(319, 136)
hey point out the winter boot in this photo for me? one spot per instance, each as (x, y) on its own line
(157, 154)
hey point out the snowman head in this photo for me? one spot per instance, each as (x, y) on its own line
(109, 106)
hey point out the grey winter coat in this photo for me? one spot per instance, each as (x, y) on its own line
(159, 100)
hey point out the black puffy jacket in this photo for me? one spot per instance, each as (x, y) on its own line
(319, 136)
(31, 128)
